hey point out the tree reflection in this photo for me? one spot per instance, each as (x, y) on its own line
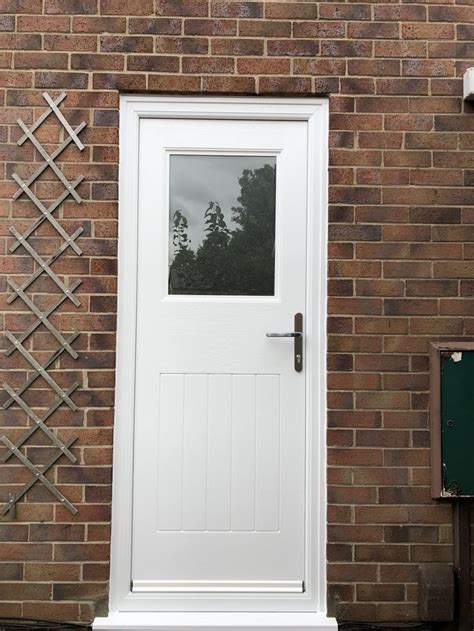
(230, 262)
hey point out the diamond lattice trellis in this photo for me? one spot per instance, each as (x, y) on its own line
(19, 344)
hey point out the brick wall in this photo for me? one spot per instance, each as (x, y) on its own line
(401, 270)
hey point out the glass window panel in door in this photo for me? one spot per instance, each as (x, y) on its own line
(222, 225)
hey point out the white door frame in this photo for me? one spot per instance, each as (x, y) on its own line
(315, 112)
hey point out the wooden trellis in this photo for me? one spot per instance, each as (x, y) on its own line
(43, 266)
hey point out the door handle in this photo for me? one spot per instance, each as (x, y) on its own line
(297, 335)
(292, 334)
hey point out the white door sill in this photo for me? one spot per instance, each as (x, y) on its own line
(214, 621)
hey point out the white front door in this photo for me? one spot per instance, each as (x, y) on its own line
(219, 448)
(219, 437)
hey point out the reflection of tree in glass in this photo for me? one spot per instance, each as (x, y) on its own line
(183, 267)
(237, 262)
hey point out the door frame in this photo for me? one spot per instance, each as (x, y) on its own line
(315, 111)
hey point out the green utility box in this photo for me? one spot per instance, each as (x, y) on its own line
(452, 419)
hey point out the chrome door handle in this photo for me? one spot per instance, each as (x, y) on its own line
(297, 335)
(292, 334)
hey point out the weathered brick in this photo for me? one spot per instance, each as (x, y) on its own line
(262, 66)
(125, 44)
(97, 62)
(100, 25)
(40, 60)
(72, 43)
(292, 47)
(373, 30)
(340, 11)
(45, 24)
(181, 45)
(237, 46)
(427, 31)
(153, 63)
(236, 9)
(197, 8)
(173, 83)
(263, 28)
(229, 84)
(127, 7)
(71, 6)
(207, 65)
(284, 85)
(291, 10)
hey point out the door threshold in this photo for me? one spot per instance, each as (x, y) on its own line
(214, 621)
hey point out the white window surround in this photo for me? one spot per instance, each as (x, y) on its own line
(469, 85)
(142, 611)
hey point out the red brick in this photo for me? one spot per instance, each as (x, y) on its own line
(402, 86)
(346, 49)
(115, 81)
(374, 67)
(465, 31)
(41, 60)
(155, 26)
(292, 47)
(16, 41)
(228, 84)
(173, 83)
(355, 457)
(427, 31)
(153, 63)
(450, 14)
(218, 65)
(46, 24)
(394, 12)
(192, 8)
(84, 43)
(57, 80)
(99, 24)
(25, 6)
(264, 28)
(381, 515)
(25, 591)
(284, 85)
(373, 30)
(237, 46)
(71, 6)
(393, 48)
(339, 11)
(97, 62)
(319, 66)
(378, 593)
(210, 27)
(52, 571)
(409, 122)
(291, 10)
(120, 44)
(357, 122)
(423, 68)
(51, 611)
(431, 288)
(237, 9)
(378, 140)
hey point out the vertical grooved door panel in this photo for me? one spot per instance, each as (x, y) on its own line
(219, 452)
(194, 452)
(170, 452)
(243, 453)
(267, 450)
